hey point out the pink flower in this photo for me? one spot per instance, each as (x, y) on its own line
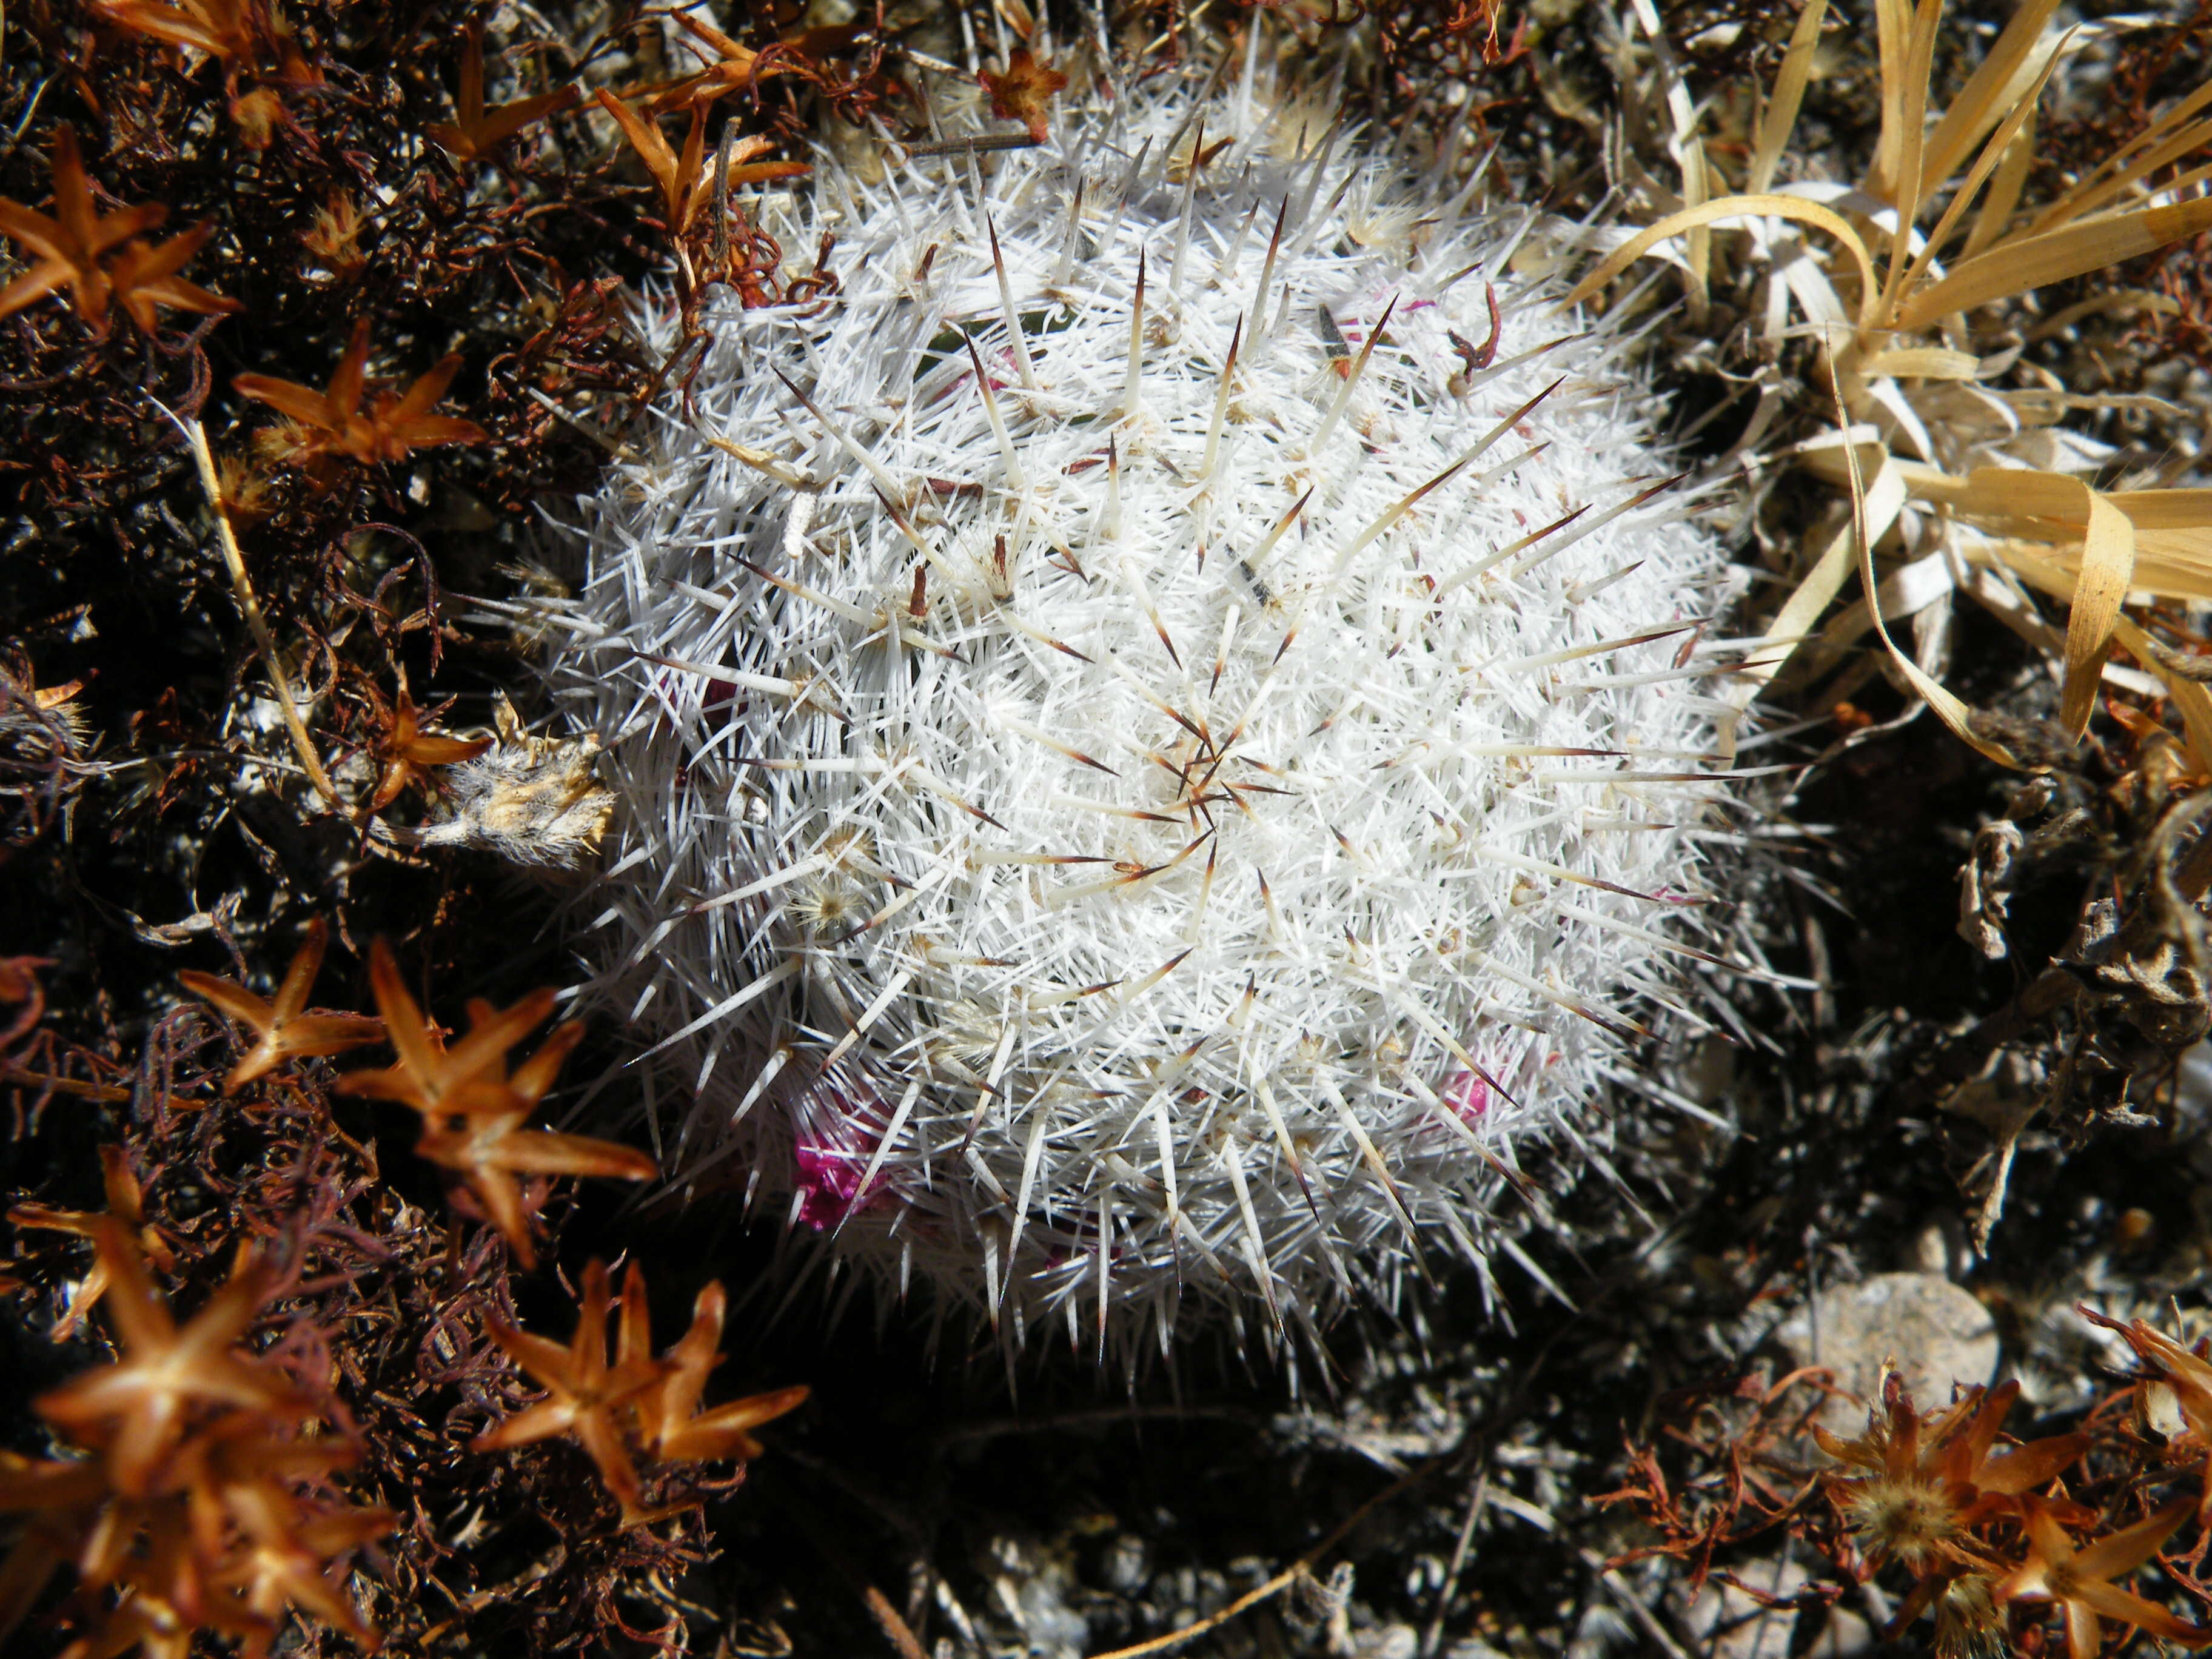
(1468, 1094)
(830, 1155)
(829, 1182)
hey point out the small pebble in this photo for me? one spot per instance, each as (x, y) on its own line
(1935, 1332)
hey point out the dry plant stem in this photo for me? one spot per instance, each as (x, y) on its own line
(251, 606)
(1281, 1582)
(895, 1628)
(1433, 1636)
(722, 200)
(981, 144)
(1647, 1621)
(62, 1085)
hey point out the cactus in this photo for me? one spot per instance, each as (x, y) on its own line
(1158, 722)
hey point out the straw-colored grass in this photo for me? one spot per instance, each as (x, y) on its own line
(1923, 436)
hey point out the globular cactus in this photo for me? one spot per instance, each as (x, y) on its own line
(1159, 723)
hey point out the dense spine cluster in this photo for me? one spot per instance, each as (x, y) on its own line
(1162, 729)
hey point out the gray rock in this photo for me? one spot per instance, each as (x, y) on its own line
(1934, 1331)
(1387, 1642)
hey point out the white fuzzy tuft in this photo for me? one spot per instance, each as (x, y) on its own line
(1069, 868)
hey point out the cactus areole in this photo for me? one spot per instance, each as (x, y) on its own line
(1160, 727)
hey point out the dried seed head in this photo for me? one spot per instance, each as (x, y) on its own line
(532, 801)
(1968, 1623)
(1904, 1517)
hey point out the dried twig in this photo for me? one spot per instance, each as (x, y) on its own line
(1283, 1580)
(976, 144)
(262, 639)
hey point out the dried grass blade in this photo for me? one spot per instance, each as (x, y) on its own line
(1792, 626)
(2108, 564)
(2162, 569)
(1998, 85)
(2005, 190)
(2174, 564)
(2191, 697)
(2117, 299)
(1731, 207)
(2140, 167)
(1905, 592)
(1923, 363)
(1892, 21)
(2165, 509)
(1912, 182)
(2020, 266)
(1992, 153)
(250, 605)
(1948, 708)
(2023, 497)
(2153, 147)
(1681, 109)
(1790, 82)
(1697, 246)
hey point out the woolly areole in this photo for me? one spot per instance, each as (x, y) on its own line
(1156, 724)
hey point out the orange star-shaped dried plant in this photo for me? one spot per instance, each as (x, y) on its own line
(137, 1409)
(227, 30)
(683, 181)
(736, 66)
(437, 1081)
(126, 1202)
(2080, 1581)
(247, 37)
(1931, 1478)
(178, 1512)
(472, 1112)
(405, 752)
(144, 277)
(322, 424)
(283, 1029)
(220, 1543)
(1024, 92)
(162, 1587)
(72, 243)
(2182, 1374)
(601, 1402)
(61, 1496)
(586, 1392)
(675, 1431)
(479, 131)
(283, 1560)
